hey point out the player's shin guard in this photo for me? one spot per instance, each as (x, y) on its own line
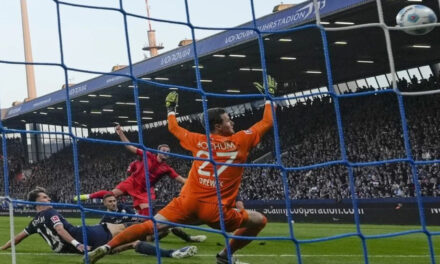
(132, 233)
(148, 249)
(237, 244)
(99, 194)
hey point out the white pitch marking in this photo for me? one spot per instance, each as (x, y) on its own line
(238, 255)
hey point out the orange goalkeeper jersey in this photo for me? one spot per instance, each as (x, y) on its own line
(232, 149)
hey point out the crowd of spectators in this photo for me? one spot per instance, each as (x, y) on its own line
(15, 160)
(308, 135)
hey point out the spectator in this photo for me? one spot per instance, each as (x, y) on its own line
(308, 135)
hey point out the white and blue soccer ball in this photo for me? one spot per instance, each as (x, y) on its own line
(414, 15)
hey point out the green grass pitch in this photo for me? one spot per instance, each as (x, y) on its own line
(403, 249)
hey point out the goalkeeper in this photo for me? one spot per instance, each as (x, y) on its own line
(198, 202)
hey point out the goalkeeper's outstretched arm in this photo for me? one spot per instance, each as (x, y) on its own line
(171, 105)
(178, 131)
(266, 123)
(262, 126)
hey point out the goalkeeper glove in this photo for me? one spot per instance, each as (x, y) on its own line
(272, 86)
(171, 101)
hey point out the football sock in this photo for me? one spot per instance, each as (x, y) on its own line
(148, 249)
(132, 233)
(161, 234)
(180, 233)
(99, 194)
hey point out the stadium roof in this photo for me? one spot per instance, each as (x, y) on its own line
(230, 62)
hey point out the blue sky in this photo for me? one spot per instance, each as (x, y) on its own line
(95, 39)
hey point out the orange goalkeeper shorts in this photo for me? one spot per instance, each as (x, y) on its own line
(190, 211)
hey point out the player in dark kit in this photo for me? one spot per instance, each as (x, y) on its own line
(112, 205)
(63, 237)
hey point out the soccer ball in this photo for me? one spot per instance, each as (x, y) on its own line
(414, 15)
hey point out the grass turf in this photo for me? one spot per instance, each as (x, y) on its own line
(411, 248)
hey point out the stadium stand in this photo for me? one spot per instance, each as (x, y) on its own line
(372, 132)
(308, 133)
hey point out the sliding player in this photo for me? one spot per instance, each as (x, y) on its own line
(63, 237)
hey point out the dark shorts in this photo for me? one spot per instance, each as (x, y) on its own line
(97, 235)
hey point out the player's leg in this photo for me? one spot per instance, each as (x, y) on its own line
(99, 194)
(139, 231)
(180, 215)
(140, 204)
(177, 231)
(252, 227)
(134, 232)
(249, 223)
(96, 195)
(144, 208)
(118, 228)
(124, 247)
(141, 200)
(145, 248)
(162, 233)
(98, 235)
(121, 189)
(115, 229)
(130, 234)
(117, 192)
(147, 229)
(148, 249)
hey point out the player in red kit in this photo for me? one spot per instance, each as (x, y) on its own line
(198, 203)
(135, 184)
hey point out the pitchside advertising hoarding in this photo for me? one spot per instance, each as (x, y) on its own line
(371, 211)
